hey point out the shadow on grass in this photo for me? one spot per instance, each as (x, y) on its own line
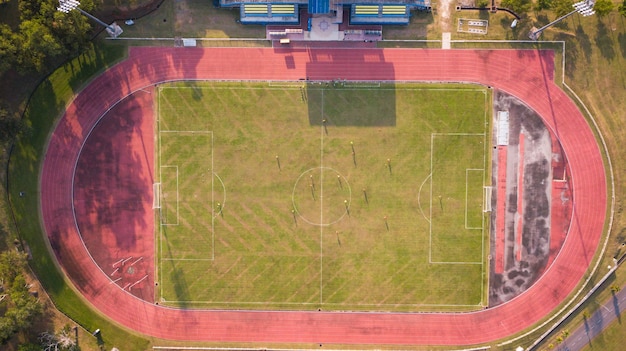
(563, 25)
(483, 14)
(542, 20)
(621, 38)
(337, 104)
(416, 29)
(86, 64)
(177, 276)
(604, 41)
(521, 30)
(618, 312)
(584, 41)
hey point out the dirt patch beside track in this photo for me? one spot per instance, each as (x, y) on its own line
(529, 205)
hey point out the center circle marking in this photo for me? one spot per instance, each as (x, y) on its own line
(321, 196)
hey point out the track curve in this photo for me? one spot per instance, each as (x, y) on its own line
(526, 74)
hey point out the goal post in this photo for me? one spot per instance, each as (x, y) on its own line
(156, 195)
(487, 200)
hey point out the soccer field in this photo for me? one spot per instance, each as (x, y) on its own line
(322, 196)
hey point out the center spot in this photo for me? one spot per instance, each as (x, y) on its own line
(321, 196)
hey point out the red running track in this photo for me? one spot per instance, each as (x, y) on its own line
(526, 74)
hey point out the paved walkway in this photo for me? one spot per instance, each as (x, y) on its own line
(596, 323)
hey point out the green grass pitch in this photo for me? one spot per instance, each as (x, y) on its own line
(322, 196)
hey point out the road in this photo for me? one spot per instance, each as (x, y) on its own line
(596, 323)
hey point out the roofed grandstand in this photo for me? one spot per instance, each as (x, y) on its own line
(361, 11)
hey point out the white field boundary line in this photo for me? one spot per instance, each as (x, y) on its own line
(271, 85)
(467, 172)
(322, 129)
(260, 303)
(158, 244)
(207, 348)
(280, 84)
(163, 221)
(419, 197)
(430, 214)
(321, 206)
(486, 166)
(430, 230)
(173, 39)
(187, 259)
(212, 174)
(361, 86)
(293, 84)
(321, 219)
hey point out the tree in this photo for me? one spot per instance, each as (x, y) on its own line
(518, 6)
(64, 340)
(482, 3)
(29, 347)
(8, 48)
(26, 306)
(43, 33)
(12, 264)
(562, 7)
(603, 7)
(622, 8)
(10, 127)
(21, 308)
(543, 5)
(71, 29)
(36, 45)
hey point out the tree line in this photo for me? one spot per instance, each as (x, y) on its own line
(560, 7)
(43, 33)
(18, 307)
(29, 45)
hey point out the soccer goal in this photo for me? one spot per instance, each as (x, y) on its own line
(487, 200)
(156, 197)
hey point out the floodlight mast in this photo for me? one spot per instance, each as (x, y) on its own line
(584, 7)
(66, 6)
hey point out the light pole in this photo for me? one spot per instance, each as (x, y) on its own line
(584, 7)
(66, 6)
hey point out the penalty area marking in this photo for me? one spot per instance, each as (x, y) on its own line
(419, 196)
(200, 160)
(430, 227)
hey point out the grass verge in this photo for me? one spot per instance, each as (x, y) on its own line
(46, 105)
